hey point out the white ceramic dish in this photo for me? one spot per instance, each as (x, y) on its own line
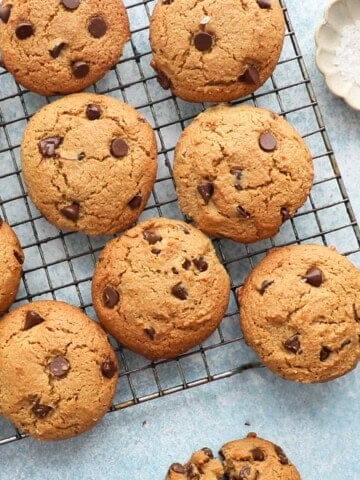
(338, 14)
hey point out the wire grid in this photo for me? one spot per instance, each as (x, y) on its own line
(59, 265)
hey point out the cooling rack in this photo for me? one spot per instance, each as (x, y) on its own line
(59, 265)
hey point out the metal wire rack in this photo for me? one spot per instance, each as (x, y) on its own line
(59, 265)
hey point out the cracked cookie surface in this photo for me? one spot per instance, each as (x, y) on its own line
(89, 162)
(241, 172)
(61, 46)
(209, 51)
(11, 259)
(58, 370)
(300, 312)
(160, 288)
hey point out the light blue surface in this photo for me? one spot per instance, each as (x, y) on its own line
(318, 425)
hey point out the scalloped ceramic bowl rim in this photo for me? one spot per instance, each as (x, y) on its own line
(324, 22)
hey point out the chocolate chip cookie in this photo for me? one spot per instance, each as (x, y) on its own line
(58, 370)
(201, 466)
(241, 172)
(11, 259)
(160, 288)
(215, 51)
(61, 46)
(89, 162)
(300, 312)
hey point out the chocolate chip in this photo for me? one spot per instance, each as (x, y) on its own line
(150, 332)
(167, 2)
(179, 292)
(257, 454)
(251, 75)
(244, 473)
(356, 316)
(108, 368)
(203, 41)
(71, 212)
(325, 353)
(251, 435)
(24, 30)
(264, 3)
(71, 4)
(59, 366)
(314, 277)
(285, 214)
(57, 49)
(97, 27)
(19, 257)
(175, 271)
(93, 112)
(242, 212)
(48, 145)
(110, 297)
(156, 251)
(32, 319)
(200, 264)
(206, 190)
(80, 69)
(163, 80)
(135, 202)
(119, 148)
(265, 284)
(41, 411)
(293, 344)
(177, 468)
(151, 237)
(208, 452)
(237, 172)
(281, 455)
(267, 142)
(186, 265)
(5, 13)
(81, 156)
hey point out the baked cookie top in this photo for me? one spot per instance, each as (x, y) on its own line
(61, 46)
(11, 260)
(300, 312)
(58, 370)
(201, 466)
(215, 51)
(160, 288)
(89, 162)
(240, 172)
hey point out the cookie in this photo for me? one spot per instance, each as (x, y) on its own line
(160, 288)
(253, 458)
(241, 172)
(11, 259)
(61, 46)
(201, 466)
(300, 312)
(58, 370)
(89, 163)
(215, 51)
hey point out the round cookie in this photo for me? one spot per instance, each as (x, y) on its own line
(201, 466)
(241, 172)
(89, 162)
(253, 457)
(61, 46)
(215, 51)
(11, 259)
(300, 312)
(58, 370)
(160, 288)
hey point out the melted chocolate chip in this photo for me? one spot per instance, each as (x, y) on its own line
(251, 75)
(97, 27)
(57, 49)
(5, 13)
(179, 292)
(151, 237)
(71, 212)
(265, 284)
(150, 332)
(110, 297)
(135, 202)
(206, 190)
(203, 41)
(264, 3)
(156, 251)
(47, 146)
(19, 256)
(24, 30)
(175, 271)
(293, 344)
(267, 142)
(119, 148)
(285, 215)
(242, 212)
(208, 452)
(41, 411)
(32, 319)
(108, 368)
(71, 4)
(281, 455)
(177, 468)
(314, 277)
(257, 454)
(200, 264)
(59, 366)
(81, 156)
(80, 69)
(163, 80)
(93, 112)
(186, 265)
(325, 353)
(237, 172)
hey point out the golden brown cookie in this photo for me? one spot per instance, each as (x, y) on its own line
(11, 259)
(160, 288)
(201, 466)
(215, 51)
(253, 458)
(241, 172)
(58, 370)
(89, 162)
(300, 312)
(61, 46)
